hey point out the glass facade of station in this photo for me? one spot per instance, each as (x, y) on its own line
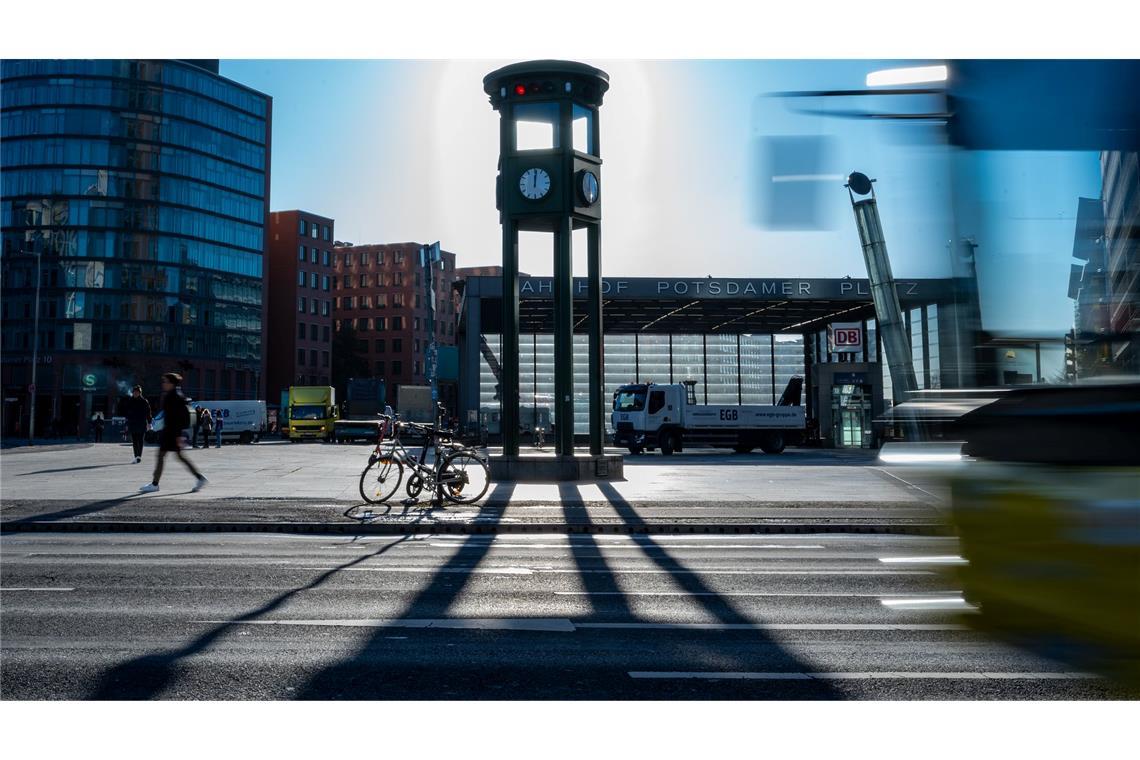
(142, 186)
(729, 369)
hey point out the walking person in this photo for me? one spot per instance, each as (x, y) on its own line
(176, 419)
(97, 426)
(207, 420)
(137, 411)
(219, 423)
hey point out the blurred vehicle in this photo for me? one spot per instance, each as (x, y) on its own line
(1046, 504)
(243, 421)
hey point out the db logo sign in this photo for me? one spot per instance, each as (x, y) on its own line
(845, 338)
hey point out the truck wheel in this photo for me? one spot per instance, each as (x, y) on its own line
(670, 441)
(245, 438)
(773, 443)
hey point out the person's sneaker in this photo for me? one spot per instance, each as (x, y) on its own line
(148, 488)
(138, 459)
(202, 483)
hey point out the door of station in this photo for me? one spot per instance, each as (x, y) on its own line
(851, 416)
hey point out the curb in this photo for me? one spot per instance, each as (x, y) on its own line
(395, 529)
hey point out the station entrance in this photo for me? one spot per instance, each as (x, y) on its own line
(741, 340)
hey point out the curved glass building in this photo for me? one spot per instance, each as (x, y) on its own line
(141, 188)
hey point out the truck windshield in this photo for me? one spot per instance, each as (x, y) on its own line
(629, 401)
(308, 413)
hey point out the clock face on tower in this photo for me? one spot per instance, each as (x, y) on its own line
(534, 183)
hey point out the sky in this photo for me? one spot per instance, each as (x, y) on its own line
(406, 151)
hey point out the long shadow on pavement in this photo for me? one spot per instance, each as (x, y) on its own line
(597, 580)
(714, 604)
(148, 676)
(353, 678)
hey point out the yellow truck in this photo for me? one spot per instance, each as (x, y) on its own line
(311, 412)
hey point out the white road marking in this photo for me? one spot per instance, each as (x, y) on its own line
(552, 571)
(561, 625)
(939, 560)
(603, 545)
(870, 675)
(921, 603)
(36, 589)
(564, 625)
(779, 626)
(726, 593)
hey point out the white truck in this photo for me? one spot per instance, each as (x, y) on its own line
(242, 421)
(668, 417)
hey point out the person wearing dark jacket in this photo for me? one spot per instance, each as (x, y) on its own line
(176, 416)
(137, 411)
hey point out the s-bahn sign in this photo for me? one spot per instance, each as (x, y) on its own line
(845, 337)
(807, 289)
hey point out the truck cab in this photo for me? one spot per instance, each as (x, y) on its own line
(312, 412)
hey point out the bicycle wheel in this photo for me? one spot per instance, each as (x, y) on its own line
(465, 477)
(380, 479)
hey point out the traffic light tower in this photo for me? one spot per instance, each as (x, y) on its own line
(550, 181)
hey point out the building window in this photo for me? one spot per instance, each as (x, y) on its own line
(380, 323)
(302, 305)
(363, 259)
(325, 258)
(366, 302)
(418, 367)
(325, 282)
(300, 278)
(416, 324)
(398, 299)
(301, 356)
(313, 307)
(380, 257)
(301, 253)
(397, 345)
(364, 281)
(397, 368)
(300, 329)
(324, 308)
(419, 303)
(417, 345)
(380, 346)
(324, 358)
(313, 254)
(312, 332)
(312, 357)
(348, 302)
(325, 333)
(313, 280)
(313, 233)
(399, 257)
(398, 278)
(326, 232)
(304, 229)
(380, 369)
(418, 282)
(381, 300)
(397, 323)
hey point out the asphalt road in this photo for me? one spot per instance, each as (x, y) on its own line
(215, 616)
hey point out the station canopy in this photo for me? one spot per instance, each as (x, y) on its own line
(710, 305)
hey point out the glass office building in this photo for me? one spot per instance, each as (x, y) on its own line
(141, 190)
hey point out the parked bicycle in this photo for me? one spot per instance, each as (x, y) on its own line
(456, 472)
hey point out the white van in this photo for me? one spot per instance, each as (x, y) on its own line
(242, 421)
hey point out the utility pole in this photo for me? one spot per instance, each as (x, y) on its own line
(429, 256)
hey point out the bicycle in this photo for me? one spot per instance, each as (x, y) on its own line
(458, 473)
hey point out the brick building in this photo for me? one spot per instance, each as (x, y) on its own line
(379, 290)
(300, 313)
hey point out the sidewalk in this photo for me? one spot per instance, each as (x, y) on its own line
(312, 487)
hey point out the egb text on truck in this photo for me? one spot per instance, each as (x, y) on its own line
(647, 416)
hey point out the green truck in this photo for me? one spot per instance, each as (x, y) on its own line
(311, 412)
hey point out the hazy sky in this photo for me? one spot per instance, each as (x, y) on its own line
(407, 150)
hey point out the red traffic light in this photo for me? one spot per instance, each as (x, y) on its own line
(520, 89)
